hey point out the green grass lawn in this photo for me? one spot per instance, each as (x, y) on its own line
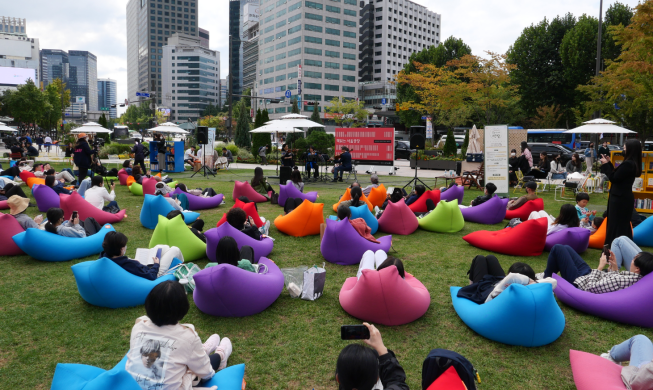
(293, 344)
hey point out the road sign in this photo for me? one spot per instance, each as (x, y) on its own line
(142, 94)
(383, 101)
(288, 93)
(104, 109)
(299, 87)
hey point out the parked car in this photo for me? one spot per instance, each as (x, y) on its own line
(551, 151)
(403, 150)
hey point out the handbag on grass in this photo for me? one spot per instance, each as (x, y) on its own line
(184, 272)
(314, 280)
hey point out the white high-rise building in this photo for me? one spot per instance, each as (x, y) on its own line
(17, 50)
(316, 41)
(191, 77)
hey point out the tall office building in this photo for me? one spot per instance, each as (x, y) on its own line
(107, 95)
(238, 15)
(319, 39)
(250, 44)
(391, 30)
(149, 25)
(205, 38)
(191, 77)
(17, 50)
(78, 69)
(224, 86)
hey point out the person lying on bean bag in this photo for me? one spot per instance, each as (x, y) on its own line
(416, 194)
(237, 218)
(17, 206)
(72, 228)
(564, 261)
(358, 223)
(638, 352)
(196, 227)
(360, 367)
(164, 353)
(487, 279)
(115, 248)
(531, 187)
(379, 260)
(227, 253)
(490, 189)
(57, 186)
(568, 218)
(260, 183)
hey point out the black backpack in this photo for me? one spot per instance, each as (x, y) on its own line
(439, 360)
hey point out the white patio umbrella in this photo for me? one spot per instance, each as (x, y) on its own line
(4, 127)
(474, 146)
(294, 116)
(168, 127)
(295, 122)
(91, 128)
(599, 126)
(276, 128)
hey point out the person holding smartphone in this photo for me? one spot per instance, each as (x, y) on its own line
(362, 368)
(97, 194)
(71, 228)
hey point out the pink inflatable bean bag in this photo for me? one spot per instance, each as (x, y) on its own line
(244, 189)
(592, 372)
(526, 209)
(75, 202)
(419, 206)
(4, 205)
(398, 218)
(526, 239)
(122, 177)
(383, 297)
(149, 186)
(9, 227)
(45, 197)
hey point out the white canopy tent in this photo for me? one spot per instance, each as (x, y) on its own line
(169, 128)
(474, 142)
(599, 126)
(4, 127)
(276, 127)
(295, 122)
(294, 116)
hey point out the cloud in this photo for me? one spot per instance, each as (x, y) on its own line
(100, 26)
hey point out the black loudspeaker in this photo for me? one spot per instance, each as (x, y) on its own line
(417, 142)
(202, 135)
(284, 174)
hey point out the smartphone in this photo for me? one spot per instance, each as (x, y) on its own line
(74, 215)
(354, 332)
(606, 251)
(158, 254)
(111, 182)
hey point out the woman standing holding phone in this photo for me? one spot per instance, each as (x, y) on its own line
(621, 200)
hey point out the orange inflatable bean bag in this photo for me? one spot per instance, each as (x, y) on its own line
(303, 221)
(383, 297)
(378, 195)
(397, 218)
(526, 209)
(597, 240)
(130, 180)
(347, 196)
(419, 206)
(245, 189)
(30, 179)
(250, 210)
(526, 239)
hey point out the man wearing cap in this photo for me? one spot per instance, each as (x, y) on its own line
(17, 207)
(82, 157)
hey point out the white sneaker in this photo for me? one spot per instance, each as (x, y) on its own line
(607, 356)
(265, 229)
(376, 210)
(539, 276)
(224, 350)
(211, 344)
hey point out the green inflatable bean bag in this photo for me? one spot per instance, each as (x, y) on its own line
(136, 189)
(174, 232)
(446, 218)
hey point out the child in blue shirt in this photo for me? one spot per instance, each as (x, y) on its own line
(586, 217)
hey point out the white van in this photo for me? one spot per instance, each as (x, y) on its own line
(460, 139)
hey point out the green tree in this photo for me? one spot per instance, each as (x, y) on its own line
(260, 139)
(347, 113)
(578, 53)
(452, 48)
(449, 148)
(315, 117)
(28, 104)
(617, 14)
(52, 117)
(292, 137)
(103, 121)
(242, 126)
(463, 149)
(295, 108)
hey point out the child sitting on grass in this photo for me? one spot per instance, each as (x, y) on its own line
(584, 214)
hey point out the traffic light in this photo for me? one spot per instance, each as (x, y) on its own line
(312, 103)
(62, 128)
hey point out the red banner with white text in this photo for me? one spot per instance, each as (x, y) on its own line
(368, 145)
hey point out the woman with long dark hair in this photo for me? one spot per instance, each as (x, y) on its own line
(260, 183)
(526, 157)
(621, 200)
(574, 165)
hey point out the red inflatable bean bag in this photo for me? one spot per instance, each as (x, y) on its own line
(303, 221)
(30, 179)
(250, 210)
(244, 189)
(419, 206)
(526, 239)
(526, 209)
(383, 297)
(592, 372)
(347, 196)
(378, 195)
(9, 227)
(75, 202)
(450, 380)
(397, 218)
(4, 205)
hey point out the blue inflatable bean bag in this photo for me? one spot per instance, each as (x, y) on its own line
(46, 246)
(104, 283)
(365, 213)
(643, 233)
(153, 206)
(521, 315)
(81, 376)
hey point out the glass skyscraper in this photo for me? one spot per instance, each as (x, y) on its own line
(107, 89)
(78, 69)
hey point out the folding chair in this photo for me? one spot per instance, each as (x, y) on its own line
(521, 181)
(569, 185)
(474, 177)
(353, 170)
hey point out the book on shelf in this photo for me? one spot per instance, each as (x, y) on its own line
(644, 203)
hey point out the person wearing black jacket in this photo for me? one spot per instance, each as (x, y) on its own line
(345, 164)
(115, 246)
(360, 368)
(82, 157)
(139, 155)
(161, 149)
(237, 218)
(490, 188)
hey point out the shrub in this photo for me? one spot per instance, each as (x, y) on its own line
(233, 148)
(450, 148)
(113, 148)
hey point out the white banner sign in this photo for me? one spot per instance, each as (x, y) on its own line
(496, 157)
(429, 128)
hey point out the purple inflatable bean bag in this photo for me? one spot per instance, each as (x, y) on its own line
(199, 203)
(228, 291)
(577, 238)
(288, 190)
(491, 212)
(398, 218)
(455, 192)
(45, 197)
(341, 243)
(262, 247)
(629, 306)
